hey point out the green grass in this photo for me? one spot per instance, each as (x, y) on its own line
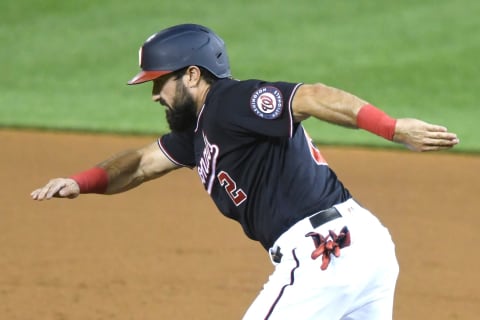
(65, 63)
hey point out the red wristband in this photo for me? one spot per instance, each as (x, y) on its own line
(376, 121)
(94, 180)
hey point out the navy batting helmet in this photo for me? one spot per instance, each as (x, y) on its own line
(181, 46)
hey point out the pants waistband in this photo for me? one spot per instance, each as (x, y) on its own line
(316, 220)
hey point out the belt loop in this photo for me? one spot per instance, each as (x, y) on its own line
(276, 255)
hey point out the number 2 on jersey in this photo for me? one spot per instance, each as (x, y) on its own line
(237, 195)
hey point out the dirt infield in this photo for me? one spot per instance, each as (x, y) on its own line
(162, 251)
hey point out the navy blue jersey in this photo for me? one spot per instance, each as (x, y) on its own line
(260, 168)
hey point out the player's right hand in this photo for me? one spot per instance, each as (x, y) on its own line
(58, 188)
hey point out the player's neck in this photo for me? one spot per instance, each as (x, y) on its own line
(203, 90)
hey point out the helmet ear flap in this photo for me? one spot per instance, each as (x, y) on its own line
(180, 46)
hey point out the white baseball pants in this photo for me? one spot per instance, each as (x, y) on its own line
(358, 285)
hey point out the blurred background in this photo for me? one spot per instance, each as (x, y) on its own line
(65, 64)
(142, 254)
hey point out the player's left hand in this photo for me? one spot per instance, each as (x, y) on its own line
(421, 136)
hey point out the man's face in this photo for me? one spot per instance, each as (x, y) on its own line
(180, 107)
(182, 115)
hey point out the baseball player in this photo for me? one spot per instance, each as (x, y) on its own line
(333, 258)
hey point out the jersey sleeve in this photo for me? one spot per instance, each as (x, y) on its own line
(178, 147)
(262, 108)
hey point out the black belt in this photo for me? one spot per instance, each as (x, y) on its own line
(324, 216)
(316, 220)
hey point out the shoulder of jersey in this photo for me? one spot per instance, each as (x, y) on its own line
(263, 99)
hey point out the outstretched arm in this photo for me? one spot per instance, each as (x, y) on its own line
(119, 173)
(342, 108)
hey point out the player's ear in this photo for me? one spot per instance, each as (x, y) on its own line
(194, 75)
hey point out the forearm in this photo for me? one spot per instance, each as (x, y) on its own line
(124, 171)
(116, 174)
(342, 108)
(119, 173)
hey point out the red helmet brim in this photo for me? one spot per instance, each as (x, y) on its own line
(144, 76)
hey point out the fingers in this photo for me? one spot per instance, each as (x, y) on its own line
(436, 146)
(435, 128)
(438, 132)
(435, 141)
(59, 187)
(47, 191)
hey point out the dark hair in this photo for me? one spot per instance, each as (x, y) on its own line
(209, 77)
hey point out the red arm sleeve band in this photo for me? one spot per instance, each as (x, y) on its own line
(376, 121)
(94, 180)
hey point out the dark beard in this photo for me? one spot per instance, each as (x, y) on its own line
(182, 115)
